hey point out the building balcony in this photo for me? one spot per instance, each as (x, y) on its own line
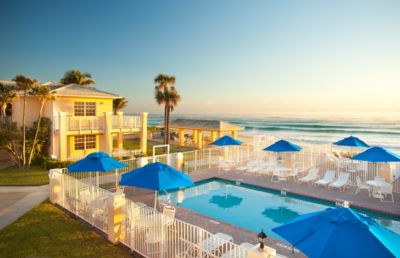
(83, 123)
(126, 122)
(97, 124)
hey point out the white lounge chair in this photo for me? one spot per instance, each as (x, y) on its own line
(362, 186)
(238, 252)
(249, 165)
(341, 182)
(328, 178)
(310, 177)
(224, 165)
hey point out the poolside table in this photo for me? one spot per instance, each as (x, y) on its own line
(376, 186)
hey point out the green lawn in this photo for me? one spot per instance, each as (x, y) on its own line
(14, 176)
(46, 231)
(131, 144)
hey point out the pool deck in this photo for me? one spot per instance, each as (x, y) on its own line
(240, 235)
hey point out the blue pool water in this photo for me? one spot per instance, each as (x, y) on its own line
(253, 208)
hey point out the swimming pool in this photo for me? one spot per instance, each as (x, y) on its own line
(253, 208)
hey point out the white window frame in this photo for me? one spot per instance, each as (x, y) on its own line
(82, 108)
(86, 142)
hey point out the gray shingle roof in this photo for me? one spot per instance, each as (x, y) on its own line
(75, 90)
(216, 125)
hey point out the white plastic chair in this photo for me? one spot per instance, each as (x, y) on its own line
(362, 186)
(328, 178)
(235, 253)
(384, 191)
(215, 241)
(341, 182)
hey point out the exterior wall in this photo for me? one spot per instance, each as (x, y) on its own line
(32, 110)
(66, 104)
(62, 142)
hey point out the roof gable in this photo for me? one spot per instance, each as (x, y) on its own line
(75, 90)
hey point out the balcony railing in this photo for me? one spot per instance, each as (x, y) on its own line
(77, 123)
(126, 122)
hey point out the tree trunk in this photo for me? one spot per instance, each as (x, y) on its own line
(36, 133)
(165, 123)
(24, 131)
(167, 126)
(3, 112)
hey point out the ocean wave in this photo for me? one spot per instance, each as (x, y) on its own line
(333, 130)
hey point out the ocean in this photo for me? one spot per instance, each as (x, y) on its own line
(376, 129)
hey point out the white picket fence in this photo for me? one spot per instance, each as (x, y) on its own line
(143, 229)
(319, 156)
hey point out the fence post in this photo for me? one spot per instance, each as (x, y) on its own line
(141, 162)
(178, 160)
(116, 217)
(55, 185)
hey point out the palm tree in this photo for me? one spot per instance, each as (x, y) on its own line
(119, 104)
(44, 94)
(163, 81)
(77, 77)
(7, 94)
(25, 84)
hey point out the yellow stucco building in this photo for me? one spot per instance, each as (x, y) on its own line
(198, 128)
(82, 121)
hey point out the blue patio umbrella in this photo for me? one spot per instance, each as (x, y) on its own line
(340, 232)
(226, 141)
(283, 146)
(352, 141)
(377, 154)
(96, 162)
(156, 176)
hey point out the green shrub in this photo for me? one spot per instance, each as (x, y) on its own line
(50, 163)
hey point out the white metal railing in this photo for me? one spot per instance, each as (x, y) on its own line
(144, 229)
(125, 153)
(321, 158)
(85, 200)
(78, 123)
(126, 122)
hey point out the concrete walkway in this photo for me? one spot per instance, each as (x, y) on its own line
(15, 201)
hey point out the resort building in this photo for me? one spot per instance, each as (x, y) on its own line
(82, 121)
(202, 131)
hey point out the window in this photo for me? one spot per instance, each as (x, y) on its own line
(85, 108)
(90, 141)
(85, 142)
(90, 108)
(80, 142)
(79, 108)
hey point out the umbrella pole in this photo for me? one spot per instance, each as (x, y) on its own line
(116, 178)
(97, 181)
(155, 200)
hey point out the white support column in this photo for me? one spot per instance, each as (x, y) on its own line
(143, 133)
(63, 128)
(107, 132)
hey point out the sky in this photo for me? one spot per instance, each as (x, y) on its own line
(228, 56)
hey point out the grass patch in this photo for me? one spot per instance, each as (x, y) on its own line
(133, 144)
(14, 176)
(46, 231)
